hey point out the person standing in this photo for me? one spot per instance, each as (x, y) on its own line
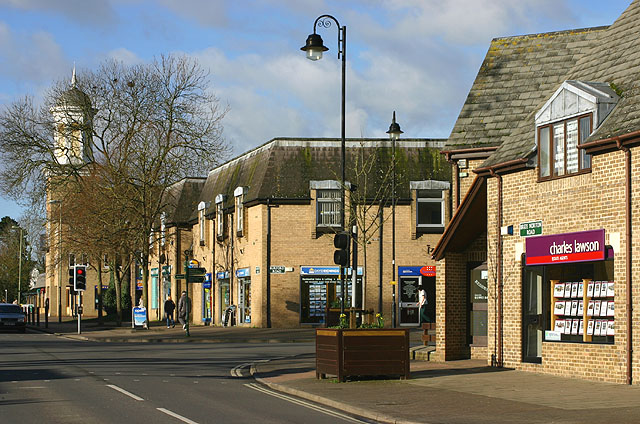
(422, 296)
(169, 307)
(184, 306)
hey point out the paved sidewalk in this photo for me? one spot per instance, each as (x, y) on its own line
(453, 392)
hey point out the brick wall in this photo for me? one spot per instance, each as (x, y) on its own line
(576, 203)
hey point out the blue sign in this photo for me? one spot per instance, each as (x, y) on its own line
(207, 280)
(244, 272)
(416, 271)
(222, 275)
(325, 270)
(139, 317)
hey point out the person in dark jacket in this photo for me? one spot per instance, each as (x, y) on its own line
(169, 307)
(184, 306)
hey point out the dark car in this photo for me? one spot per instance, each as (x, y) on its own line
(11, 317)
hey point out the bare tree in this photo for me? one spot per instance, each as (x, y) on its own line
(136, 129)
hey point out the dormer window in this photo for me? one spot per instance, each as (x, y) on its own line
(567, 119)
(239, 196)
(220, 217)
(202, 222)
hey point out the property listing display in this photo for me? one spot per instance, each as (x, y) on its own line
(582, 311)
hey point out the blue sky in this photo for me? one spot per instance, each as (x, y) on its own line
(418, 57)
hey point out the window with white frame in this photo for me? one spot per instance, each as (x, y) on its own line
(328, 206)
(239, 196)
(163, 220)
(202, 208)
(219, 217)
(430, 205)
(430, 209)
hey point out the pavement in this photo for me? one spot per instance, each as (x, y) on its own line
(466, 391)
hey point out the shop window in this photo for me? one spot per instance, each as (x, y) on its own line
(558, 147)
(581, 302)
(328, 207)
(430, 209)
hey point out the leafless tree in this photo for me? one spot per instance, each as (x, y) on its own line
(136, 129)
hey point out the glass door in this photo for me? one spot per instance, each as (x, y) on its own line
(532, 319)
(409, 302)
(478, 294)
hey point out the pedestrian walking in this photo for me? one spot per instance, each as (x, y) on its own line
(169, 307)
(422, 296)
(184, 306)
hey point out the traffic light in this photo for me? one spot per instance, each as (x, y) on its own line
(72, 276)
(341, 242)
(80, 282)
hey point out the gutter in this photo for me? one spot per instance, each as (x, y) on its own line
(500, 349)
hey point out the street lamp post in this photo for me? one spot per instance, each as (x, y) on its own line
(394, 134)
(314, 48)
(19, 263)
(59, 203)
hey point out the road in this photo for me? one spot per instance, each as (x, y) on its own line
(46, 378)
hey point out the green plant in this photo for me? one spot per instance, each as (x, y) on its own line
(344, 323)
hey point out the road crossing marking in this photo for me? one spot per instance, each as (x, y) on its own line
(123, 391)
(174, 415)
(306, 404)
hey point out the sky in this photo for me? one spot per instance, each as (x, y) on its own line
(416, 57)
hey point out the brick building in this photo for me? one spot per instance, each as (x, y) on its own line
(277, 208)
(549, 131)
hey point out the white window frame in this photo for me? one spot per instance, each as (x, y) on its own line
(239, 204)
(163, 225)
(328, 203)
(219, 216)
(432, 185)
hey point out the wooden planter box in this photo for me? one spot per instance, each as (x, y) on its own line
(354, 352)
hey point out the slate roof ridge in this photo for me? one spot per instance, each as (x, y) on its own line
(552, 33)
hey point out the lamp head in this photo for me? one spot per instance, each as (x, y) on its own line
(314, 47)
(394, 129)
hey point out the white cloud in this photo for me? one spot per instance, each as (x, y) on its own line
(31, 58)
(205, 12)
(125, 56)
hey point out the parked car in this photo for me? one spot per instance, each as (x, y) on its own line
(11, 317)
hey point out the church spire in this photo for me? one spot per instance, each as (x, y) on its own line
(73, 76)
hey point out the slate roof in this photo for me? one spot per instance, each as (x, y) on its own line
(515, 78)
(282, 168)
(606, 55)
(181, 199)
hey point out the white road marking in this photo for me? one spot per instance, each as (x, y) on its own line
(123, 391)
(237, 370)
(174, 415)
(303, 403)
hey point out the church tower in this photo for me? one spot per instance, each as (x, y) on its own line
(72, 115)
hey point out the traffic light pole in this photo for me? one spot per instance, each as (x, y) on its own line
(79, 306)
(188, 305)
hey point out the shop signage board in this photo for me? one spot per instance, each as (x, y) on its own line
(244, 272)
(326, 270)
(580, 246)
(276, 269)
(427, 271)
(533, 228)
(221, 275)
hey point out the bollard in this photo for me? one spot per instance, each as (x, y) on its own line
(46, 314)
(38, 316)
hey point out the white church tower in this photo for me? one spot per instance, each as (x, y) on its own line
(72, 115)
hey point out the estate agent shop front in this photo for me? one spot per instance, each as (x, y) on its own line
(568, 292)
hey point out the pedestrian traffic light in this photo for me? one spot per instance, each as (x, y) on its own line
(80, 282)
(341, 242)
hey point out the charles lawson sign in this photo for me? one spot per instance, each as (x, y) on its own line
(563, 248)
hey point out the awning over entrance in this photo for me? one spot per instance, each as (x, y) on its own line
(469, 221)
